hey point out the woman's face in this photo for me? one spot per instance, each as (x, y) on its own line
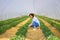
(31, 16)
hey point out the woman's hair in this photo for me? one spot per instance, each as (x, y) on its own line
(32, 14)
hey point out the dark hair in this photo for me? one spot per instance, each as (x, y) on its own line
(32, 14)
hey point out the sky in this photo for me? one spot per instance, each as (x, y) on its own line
(15, 8)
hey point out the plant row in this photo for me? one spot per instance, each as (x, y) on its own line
(13, 24)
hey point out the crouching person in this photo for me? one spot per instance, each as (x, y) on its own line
(35, 22)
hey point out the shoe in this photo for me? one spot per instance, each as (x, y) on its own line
(34, 29)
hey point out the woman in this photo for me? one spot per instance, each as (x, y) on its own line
(35, 22)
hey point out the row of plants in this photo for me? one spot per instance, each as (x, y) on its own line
(13, 24)
(21, 33)
(51, 37)
(51, 18)
(57, 26)
(4, 22)
(46, 31)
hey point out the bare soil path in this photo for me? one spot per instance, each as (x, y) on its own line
(34, 34)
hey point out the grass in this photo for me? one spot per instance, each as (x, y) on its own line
(21, 33)
(10, 25)
(57, 26)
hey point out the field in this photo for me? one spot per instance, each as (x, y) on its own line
(17, 29)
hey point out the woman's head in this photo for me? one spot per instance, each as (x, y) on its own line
(31, 15)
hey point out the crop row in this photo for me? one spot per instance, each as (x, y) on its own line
(46, 31)
(21, 33)
(4, 22)
(10, 25)
(57, 26)
(50, 18)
